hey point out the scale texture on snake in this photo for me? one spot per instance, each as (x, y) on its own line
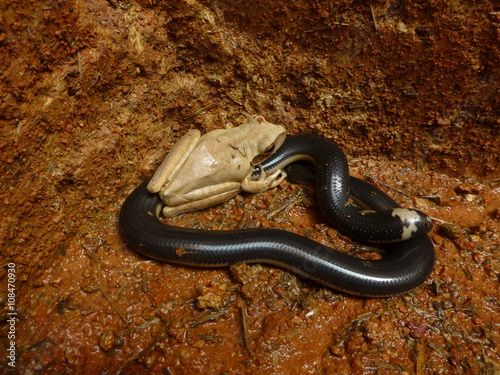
(375, 217)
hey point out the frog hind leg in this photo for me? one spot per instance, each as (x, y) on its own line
(177, 155)
(200, 204)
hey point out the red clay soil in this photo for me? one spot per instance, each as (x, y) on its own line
(94, 93)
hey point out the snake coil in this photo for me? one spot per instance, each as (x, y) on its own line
(375, 218)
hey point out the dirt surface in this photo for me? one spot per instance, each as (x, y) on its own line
(94, 93)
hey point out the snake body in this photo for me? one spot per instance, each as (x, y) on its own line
(354, 207)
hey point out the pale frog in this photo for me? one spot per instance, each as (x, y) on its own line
(203, 171)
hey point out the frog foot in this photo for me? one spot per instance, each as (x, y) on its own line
(264, 182)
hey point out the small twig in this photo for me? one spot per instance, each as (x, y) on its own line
(20, 125)
(104, 292)
(243, 311)
(207, 317)
(200, 111)
(148, 323)
(386, 185)
(438, 196)
(356, 106)
(439, 220)
(374, 18)
(79, 58)
(327, 27)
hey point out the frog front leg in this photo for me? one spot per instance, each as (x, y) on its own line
(264, 182)
(200, 199)
(177, 155)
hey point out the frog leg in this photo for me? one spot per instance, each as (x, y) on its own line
(177, 155)
(202, 198)
(264, 182)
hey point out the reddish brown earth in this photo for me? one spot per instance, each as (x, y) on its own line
(93, 94)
